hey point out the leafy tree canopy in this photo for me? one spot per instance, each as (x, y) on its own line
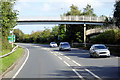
(73, 11)
(117, 13)
(88, 11)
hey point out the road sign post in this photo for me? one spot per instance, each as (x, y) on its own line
(11, 39)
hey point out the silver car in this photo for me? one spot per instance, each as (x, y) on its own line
(64, 46)
(53, 44)
(98, 50)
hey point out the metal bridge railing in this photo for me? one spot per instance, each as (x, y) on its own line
(83, 18)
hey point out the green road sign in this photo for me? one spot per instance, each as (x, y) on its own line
(11, 38)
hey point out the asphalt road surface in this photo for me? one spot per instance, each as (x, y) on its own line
(41, 61)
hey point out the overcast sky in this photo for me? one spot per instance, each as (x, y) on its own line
(54, 8)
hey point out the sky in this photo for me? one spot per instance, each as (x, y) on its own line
(43, 9)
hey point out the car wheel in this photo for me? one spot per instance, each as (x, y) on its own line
(91, 56)
(96, 55)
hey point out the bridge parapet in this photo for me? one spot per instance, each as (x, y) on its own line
(83, 18)
(97, 30)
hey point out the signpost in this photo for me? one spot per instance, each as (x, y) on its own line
(11, 39)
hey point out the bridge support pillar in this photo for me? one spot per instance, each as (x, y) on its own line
(85, 35)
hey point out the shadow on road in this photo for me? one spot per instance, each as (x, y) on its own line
(79, 53)
(106, 73)
(76, 52)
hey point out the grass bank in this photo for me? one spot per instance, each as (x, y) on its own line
(5, 51)
(7, 61)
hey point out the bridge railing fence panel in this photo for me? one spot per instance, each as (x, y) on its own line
(83, 18)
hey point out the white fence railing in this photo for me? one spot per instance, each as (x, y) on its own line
(83, 18)
(98, 30)
(14, 49)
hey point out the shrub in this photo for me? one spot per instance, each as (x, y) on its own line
(108, 37)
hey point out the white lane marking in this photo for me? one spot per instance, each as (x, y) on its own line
(66, 63)
(60, 58)
(76, 63)
(55, 54)
(67, 57)
(22, 65)
(74, 71)
(92, 74)
(51, 52)
(78, 74)
(60, 54)
(87, 70)
(69, 65)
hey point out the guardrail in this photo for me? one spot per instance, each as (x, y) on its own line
(83, 18)
(98, 30)
(14, 49)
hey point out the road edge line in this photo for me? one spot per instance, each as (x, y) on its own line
(22, 65)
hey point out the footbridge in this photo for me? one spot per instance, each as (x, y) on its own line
(91, 20)
(96, 30)
(63, 20)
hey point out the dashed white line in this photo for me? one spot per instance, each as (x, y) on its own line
(60, 58)
(66, 63)
(78, 74)
(74, 71)
(92, 74)
(60, 54)
(22, 65)
(67, 57)
(55, 54)
(87, 70)
(76, 63)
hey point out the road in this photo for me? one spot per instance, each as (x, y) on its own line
(46, 62)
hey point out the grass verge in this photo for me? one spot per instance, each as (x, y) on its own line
(6, 51)
(7, 61)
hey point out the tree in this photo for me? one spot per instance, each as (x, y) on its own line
(54, 34)
(8, 20)
(62, 32)
(18, 35)
(88, 11)
(55, 31)
(73, 11)
(117, 13)
(74, 33)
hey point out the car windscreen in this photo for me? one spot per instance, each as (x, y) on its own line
(65, 45)
(53, 43)
(100, 47)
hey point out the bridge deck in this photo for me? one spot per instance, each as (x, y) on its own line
(64, 20)
(27, 22)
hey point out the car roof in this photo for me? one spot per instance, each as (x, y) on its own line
(52, 42)
(98, 45)
(64, 43)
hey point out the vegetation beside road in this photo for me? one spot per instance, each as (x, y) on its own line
(108, 37)
(8, 21)
(5, 51)
(7, 61)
